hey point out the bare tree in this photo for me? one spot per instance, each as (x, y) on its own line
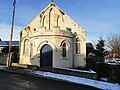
(114, 44)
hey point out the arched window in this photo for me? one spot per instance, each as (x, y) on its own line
(26, 46)
(58, 20)
(43, 23)
(31, 50)
(50, 18)
(77, 45)
(64, 49)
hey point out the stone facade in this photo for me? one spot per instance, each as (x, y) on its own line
(53, 28)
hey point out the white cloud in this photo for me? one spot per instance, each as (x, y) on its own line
(5, 31)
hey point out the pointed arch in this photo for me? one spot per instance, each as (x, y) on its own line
(65, 47)
(46, 56)
(58, 20)
(32, 44)
(31, 50)
(43, 22)
(47, 42)
(26, 46)
(50, 18)
(67, 42)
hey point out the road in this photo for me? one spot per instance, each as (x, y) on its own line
(10, 81)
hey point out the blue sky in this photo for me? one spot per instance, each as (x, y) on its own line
(98, 17)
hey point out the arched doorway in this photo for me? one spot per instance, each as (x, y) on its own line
(46, 56)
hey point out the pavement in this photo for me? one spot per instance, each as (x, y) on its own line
(13, 81)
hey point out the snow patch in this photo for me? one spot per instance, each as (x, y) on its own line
(73, 79)
(104, 79)
(79, 80)
(1, 67)
(91, 71)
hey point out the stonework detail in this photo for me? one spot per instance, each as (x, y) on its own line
(55, 29)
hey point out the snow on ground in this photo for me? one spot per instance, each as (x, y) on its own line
(112, 62)
(116, 63)
(91, 71)
(78, 80)
(1, 66)
(73, 79)
(104, 79)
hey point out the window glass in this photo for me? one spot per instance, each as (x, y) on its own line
(64, 50)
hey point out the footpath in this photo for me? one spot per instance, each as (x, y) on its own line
(64, 78)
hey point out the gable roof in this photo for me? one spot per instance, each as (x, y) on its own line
(89, 45)
(61, 11)
(6, 43)
(52, 4)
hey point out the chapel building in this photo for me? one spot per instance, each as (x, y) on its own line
(53, 39)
